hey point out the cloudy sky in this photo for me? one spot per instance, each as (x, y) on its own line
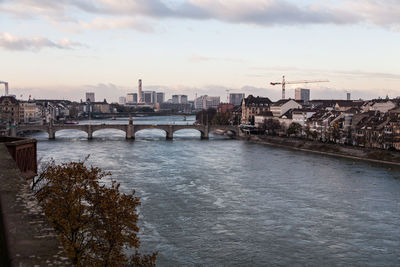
(60, 49)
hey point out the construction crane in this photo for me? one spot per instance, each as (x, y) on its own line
(284, 82)
(6, 87)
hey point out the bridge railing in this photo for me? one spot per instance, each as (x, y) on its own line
(23, 151)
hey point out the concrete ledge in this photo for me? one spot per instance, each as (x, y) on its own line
(27, 236)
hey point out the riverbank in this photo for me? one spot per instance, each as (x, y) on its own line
(358, 153)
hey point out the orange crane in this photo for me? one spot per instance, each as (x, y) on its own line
(284, 82)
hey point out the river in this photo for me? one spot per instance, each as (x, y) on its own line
(224, 202)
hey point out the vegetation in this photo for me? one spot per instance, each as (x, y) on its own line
(271, 126)
(221, 119)
(205, 116)
(294, 129)
(96, 224)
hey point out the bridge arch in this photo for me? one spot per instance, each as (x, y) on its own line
(52, 134)
(23, 130)
(106, 129)
(227, 128)
(168, 134)
(203, 134)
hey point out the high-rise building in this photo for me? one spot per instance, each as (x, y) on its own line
(131, 98)
(302, 94)
(160, 97)
(175, 99)
(206, 102)
(348, 96)
(140, 94)
(236, 98)
(90, 97)
(183, 99)
(180, 99)
(122, 100)
(149, 97)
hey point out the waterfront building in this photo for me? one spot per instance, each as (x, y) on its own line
(205, 102)
(225, 107)
(260, 118)
(282, 106)
(302, 94)
(29, 112)
(301, 116)
(9, 110)
(236, 98)
(90, 97)
(173, 107)
(252, 106)
(101, 107)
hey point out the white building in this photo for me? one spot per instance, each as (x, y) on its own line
(301, 116)
(206, 102)
(131, 98)
(282, 106)
(31, 112)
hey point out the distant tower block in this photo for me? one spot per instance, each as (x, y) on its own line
(348, 96)
(140, 94)
(5, 87)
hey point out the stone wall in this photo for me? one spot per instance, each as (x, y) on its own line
(27, 238)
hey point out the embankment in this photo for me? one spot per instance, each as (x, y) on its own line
(359, 153)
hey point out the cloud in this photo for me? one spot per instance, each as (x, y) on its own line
(205, 59)
(319, 72)
(101, 23)
(12, 42)
(257, 12)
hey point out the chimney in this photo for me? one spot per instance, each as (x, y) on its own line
(139, 97)
(6, 85)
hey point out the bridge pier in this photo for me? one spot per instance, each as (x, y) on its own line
(13, 132)
(129, 131)
(204, 134)
(170, 133)
(52, 134)
(90, 132)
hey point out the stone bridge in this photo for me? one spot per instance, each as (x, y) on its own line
(129, 129)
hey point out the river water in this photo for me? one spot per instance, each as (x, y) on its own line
(224, 202)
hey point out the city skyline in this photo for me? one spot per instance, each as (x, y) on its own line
(203, 47)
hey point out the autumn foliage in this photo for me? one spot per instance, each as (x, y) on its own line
(97, 224)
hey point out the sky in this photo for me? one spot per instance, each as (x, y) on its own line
(62, 49)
